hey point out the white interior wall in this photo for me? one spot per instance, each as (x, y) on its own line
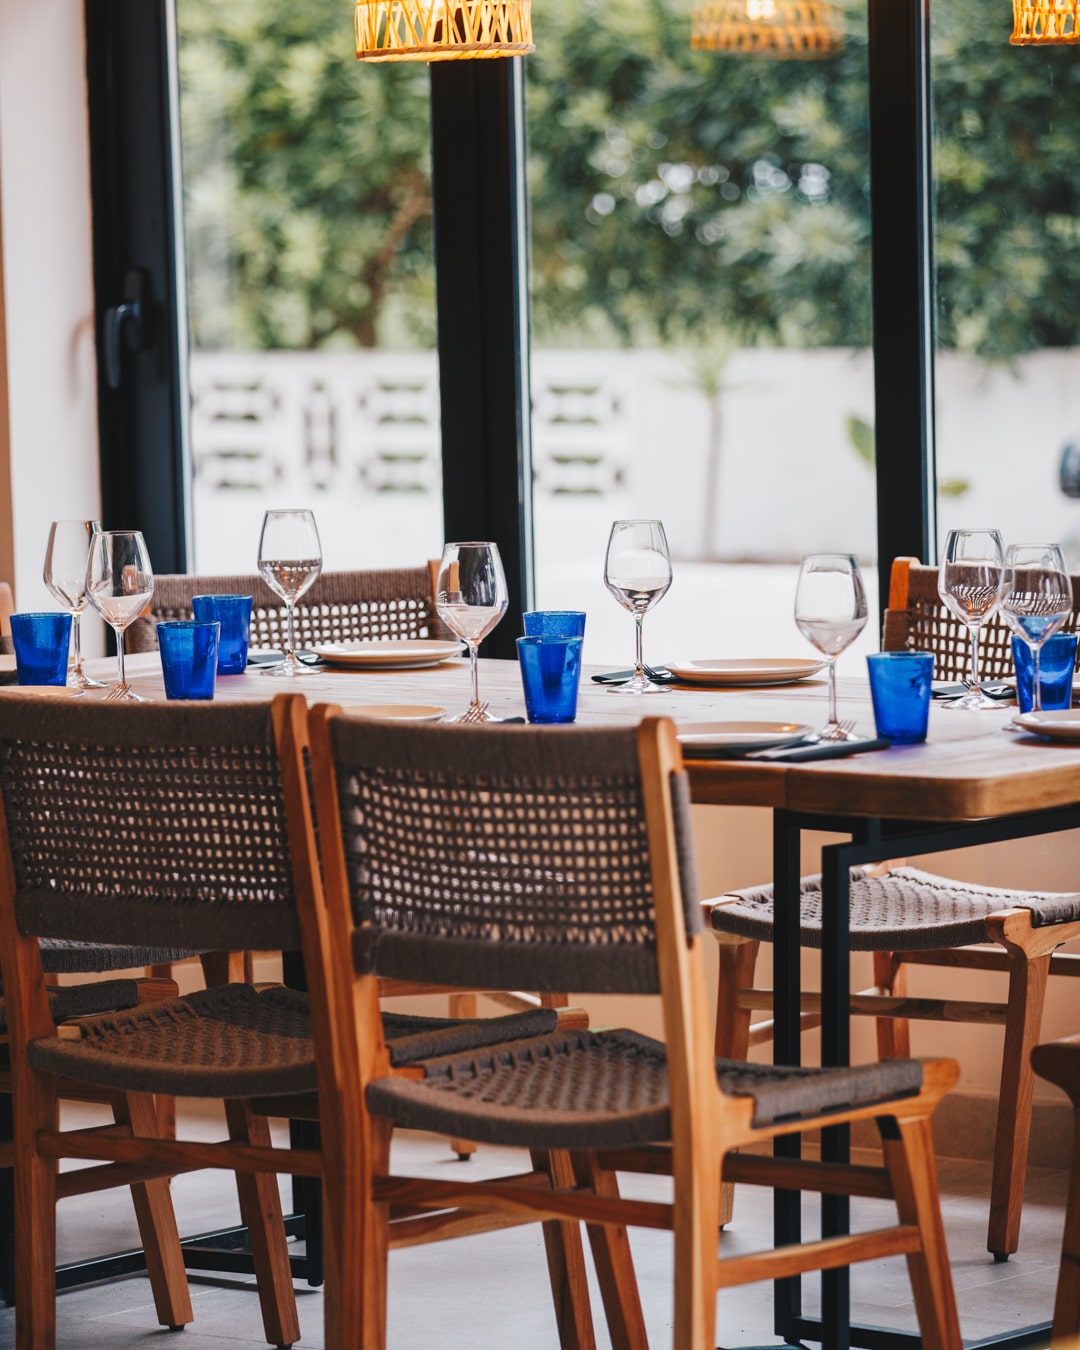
(48, 285)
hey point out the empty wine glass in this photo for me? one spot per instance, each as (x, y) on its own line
(830, 612)
(637, 572)
(970, 582)
(66, 559)
(471, 597)
(1036, 600)
(119, 582)
(290, 558)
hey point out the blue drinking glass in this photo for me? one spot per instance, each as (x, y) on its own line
(550, 674)
(554, 623)
(188, 657)
(41, 643)
(900, 690)
(233, 612)
(1056, 664)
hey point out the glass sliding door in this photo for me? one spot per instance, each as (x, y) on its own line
(308, 238)
(701, 320)
(1007, 221)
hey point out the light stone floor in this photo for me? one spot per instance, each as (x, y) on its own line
(489, 1292)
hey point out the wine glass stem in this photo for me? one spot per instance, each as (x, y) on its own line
(975, 680)
(832, 691)
(120, 658)
(639, 659)
(474, 666)
(290, 635)
(76, 643)
(1036, 686)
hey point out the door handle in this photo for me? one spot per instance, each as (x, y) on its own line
(128, 321)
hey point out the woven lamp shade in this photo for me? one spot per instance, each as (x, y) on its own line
(804, 30)
(442, 30)
(1038, 23)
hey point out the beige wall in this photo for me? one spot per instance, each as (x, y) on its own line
(51, 422)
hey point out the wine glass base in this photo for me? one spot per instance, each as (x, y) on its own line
(288, 669)
(78, 679)
(974, 699)
(637, 684)
(123, 693)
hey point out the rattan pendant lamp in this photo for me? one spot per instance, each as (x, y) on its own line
(804, 30)
(1039, 23)
(442, 30)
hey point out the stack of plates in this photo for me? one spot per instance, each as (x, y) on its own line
(401, 654)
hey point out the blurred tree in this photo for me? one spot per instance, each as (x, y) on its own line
(677, 197)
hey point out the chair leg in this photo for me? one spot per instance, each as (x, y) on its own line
(908, 1147)
(732, 1035)
(893, 1033)
(156, 1219)
(463, 1005)
(1067, 1299)
(35, 1216)
(614, 1262)
(1027, 991)
(260, 1210)
(566, 1261)
(357, 1239)
(697, 1224)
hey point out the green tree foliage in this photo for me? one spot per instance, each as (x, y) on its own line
(676, 196)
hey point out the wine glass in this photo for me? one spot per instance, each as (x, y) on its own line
(290, 558)
(970, 582)
(66, 558)
(830, 612)
(1036, 600)
(471, 597)
(119, 583)
(637, 572)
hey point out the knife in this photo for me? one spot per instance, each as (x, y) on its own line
(796, 754)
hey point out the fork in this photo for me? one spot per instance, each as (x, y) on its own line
(475, 712)
(837, 733)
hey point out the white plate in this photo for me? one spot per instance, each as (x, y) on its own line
(767, 670)
(738, 735)
(1060, 725)
(397, 712)
(398, 655)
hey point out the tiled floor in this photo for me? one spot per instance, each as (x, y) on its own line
(490, 1291)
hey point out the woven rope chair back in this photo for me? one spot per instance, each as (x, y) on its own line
(500, 858)
(156, 824)
(375, 605)
(920, 622)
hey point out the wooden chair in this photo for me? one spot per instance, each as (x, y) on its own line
(562, 861)
(184, 834)
(1059, 1062)
(905, 916)
(374, 605)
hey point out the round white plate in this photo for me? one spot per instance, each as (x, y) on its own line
(738, 735)
(765, 670)
(1060, 725)
(397, 712)
(398, 655)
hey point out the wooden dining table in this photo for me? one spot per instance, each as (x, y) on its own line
(973, 781)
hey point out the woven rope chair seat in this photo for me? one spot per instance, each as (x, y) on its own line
(235, 1040)
(230, 1041)
(61, 957)
(582, 1089)
(905, 910)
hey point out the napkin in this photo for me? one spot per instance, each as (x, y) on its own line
(658, 675)
(274, 658)
(992, 689)
(790, 754)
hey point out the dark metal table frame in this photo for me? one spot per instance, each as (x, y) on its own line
(871, 840)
